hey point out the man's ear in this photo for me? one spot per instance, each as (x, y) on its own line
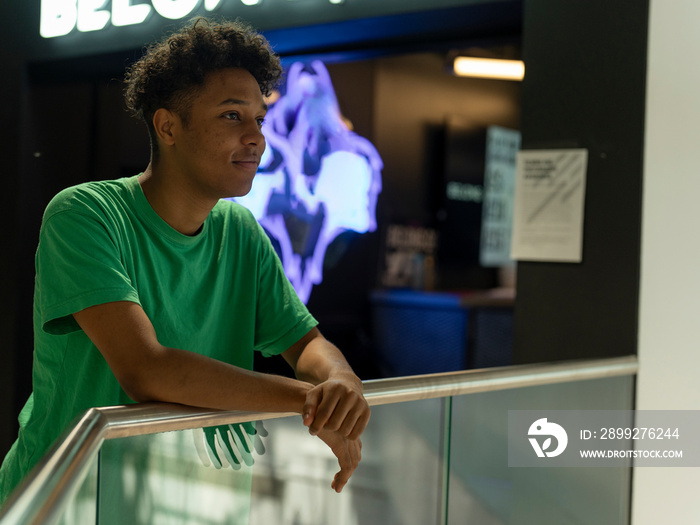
(164, 123)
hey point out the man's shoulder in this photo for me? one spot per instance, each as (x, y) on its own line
(237, 224)
(232, 207)
(229, 210)
(89, 197)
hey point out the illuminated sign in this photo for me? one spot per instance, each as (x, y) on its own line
(461, 191)
(317, 178)
(502, 145)
(61, 17)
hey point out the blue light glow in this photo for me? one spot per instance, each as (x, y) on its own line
(317, 178)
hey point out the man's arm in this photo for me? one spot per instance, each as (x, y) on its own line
(334, 409)
(149, 371)
(336, 402)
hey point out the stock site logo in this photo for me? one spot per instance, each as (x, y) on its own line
(541, 428)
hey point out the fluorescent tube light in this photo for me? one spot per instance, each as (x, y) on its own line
(489, 68)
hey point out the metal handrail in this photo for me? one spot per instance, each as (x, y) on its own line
(40, 498)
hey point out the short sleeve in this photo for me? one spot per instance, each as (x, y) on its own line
(281, 317)
(78, 265)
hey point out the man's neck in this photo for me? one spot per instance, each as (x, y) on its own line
(172, 201)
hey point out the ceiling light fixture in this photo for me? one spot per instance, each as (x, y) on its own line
(489, 68)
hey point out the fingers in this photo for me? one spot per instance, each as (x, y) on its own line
(348, 459)
(356, 431)
(349, 418)
(325, 406)
(337, 407)
(343, 415)
(313, 398)
(348, 453)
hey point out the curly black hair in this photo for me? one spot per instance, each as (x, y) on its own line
(171, 71)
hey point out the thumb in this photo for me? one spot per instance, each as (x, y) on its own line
(313, 398)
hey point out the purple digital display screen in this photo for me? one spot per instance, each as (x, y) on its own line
(317, 178)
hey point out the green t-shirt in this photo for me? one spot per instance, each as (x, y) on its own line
(221, 293)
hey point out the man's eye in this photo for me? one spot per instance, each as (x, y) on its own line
(261, 121)
(231, 116)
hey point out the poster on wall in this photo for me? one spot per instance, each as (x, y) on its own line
(409, 257)
(549, 205)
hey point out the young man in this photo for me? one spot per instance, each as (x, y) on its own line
(152, 288)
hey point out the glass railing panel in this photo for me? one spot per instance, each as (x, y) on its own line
(397, 482)
(171, 478)
(162, 478)
(431, 461)
(82, 506)
(484, 489)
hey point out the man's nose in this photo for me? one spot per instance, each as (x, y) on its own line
(254, 136)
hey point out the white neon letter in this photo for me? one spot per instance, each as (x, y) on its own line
(58, 17)
(90, 16)
(210, 5)
(174, 9)
(125, 14)
(251, 2)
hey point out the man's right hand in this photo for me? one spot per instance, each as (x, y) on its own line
(348, 452)
(337, 404)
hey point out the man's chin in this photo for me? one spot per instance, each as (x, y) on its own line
(240, 191)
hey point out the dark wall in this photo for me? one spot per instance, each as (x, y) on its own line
(73, 131)
(66, 130)
(12, 89)
(415, 94)
(585, 88)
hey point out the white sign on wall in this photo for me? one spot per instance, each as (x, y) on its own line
(549, 197)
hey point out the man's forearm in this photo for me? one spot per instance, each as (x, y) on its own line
(148, 371)
(321, 361)
(336, 403)
(179, 376)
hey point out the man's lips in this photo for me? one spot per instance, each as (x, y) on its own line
(249, 162)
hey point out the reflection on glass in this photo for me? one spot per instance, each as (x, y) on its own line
(484, 490)
(436, 461)
(174, 478)
(397, 482)
(277, 474)
(82, 506)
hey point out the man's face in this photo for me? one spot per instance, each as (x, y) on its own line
(219, 148)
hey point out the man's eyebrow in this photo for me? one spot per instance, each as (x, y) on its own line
(239, 102)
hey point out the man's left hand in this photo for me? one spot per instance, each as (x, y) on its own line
(348, 452)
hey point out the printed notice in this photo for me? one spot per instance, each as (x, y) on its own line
(548, 210)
